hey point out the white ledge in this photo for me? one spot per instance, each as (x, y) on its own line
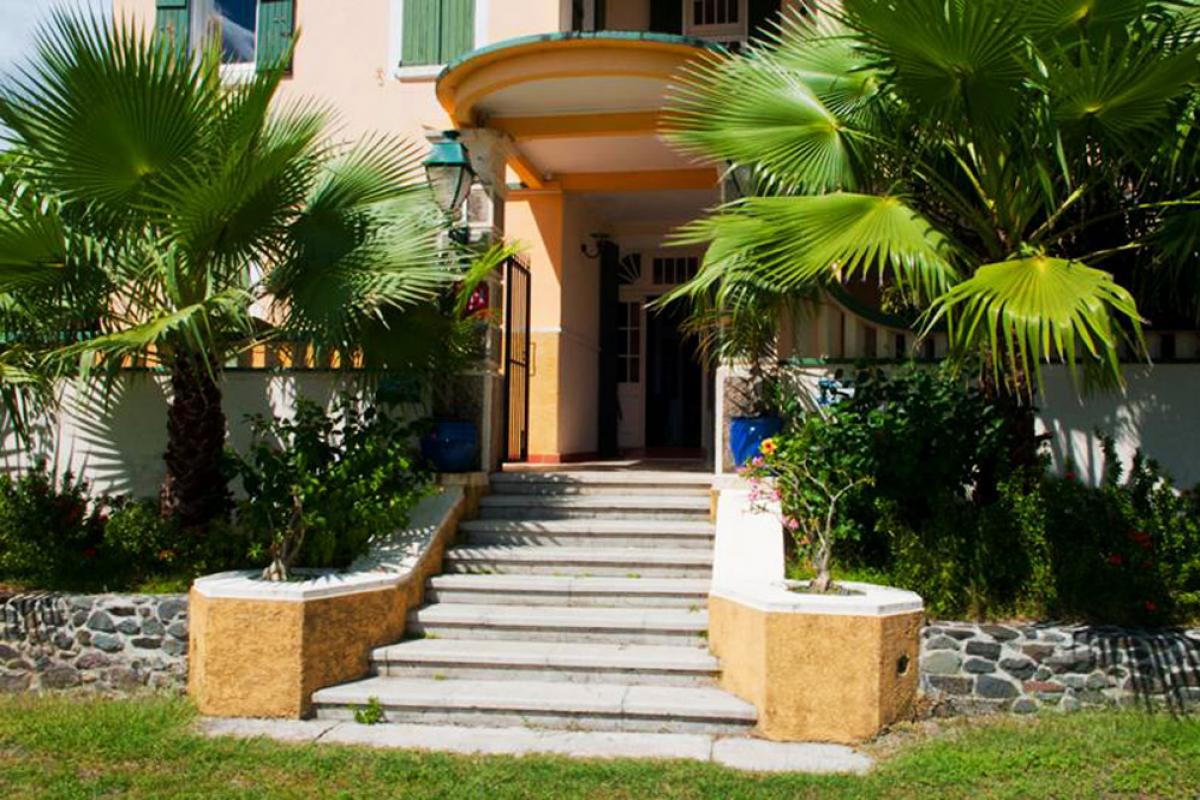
(749, 568)
(389, 564)
(868, 600)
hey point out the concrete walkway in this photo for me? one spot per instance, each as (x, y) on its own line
(736, 752)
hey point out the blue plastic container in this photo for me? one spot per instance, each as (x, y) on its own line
(452, 446)
(746, 435)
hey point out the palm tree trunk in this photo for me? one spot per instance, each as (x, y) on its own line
(196, 490)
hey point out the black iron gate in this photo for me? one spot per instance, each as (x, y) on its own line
(517, 290)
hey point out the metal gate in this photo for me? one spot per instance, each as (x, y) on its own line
(517, 291)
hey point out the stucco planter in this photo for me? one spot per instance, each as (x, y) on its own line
(260, 649)
(818, 667)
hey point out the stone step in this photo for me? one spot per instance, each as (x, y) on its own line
(666, 482)
(545, 704)
(590, 532)
(563, 590)
(466, 659)
(545, 507)
(629, 562)
(654, 626)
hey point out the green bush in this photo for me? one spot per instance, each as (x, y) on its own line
(320, 486)
(947, 517)
(138, 536)
(51, 531)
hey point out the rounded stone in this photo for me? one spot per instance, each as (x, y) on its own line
(1025, 705)
(988, 650)
(942, 643)
(178, 629)
(100, 621)
(950, 684)
(979, 666)
(60, 677)
(15, 681)
(175, 647)
(169, 609)
(152, 627)
(129, 627)
(1000, 633)
(941, 662)
(108, 643)
(147, 643)
(92, 661)
(959, 633)
(1070, 705)
(993, 688)
(1020, 667)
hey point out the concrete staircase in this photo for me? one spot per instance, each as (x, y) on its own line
(576, 601)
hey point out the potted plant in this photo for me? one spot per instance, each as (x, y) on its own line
(451, 442)
(739, 325)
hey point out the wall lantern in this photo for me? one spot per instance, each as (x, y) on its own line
(450, 175)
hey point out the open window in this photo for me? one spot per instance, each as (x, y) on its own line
(253, 33)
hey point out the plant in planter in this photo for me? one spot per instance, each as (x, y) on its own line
(321, 486)
(737, 322)
(810, 480)
(451, 444)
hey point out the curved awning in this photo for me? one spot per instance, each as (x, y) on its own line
(578, 105)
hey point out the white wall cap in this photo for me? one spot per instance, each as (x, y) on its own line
(868, 601)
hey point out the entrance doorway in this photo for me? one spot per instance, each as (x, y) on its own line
(674, 386)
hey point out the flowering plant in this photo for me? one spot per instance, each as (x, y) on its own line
(798, 476)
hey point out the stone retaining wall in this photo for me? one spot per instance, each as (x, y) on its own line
(975, 668)
(107, 642)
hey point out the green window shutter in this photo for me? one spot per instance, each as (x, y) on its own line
(276, 25)
(421, 38)
(458, 29)
(173, 23)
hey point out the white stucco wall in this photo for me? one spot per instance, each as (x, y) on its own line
(118, 445)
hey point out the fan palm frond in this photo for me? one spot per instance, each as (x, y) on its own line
(1030, 310)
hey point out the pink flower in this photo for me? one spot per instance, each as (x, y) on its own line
(793, 524)
(759, 460)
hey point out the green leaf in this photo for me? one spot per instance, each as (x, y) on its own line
(796, 242)
(956, 60)
(1029, 310)
(790, 111)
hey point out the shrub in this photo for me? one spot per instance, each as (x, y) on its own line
(321, 485)
(947, 517)
(140, 543)
(51, 532)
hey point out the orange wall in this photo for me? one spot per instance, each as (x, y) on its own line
(565, 292)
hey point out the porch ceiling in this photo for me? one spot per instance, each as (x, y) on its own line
(582, 111)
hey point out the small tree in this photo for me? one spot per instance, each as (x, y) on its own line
(810, 481)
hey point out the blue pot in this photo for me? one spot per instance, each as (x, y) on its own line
(746, 435)
(452, 446)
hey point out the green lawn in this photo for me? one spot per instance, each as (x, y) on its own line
(74, 747)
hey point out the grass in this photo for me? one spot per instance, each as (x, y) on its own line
(70, 747)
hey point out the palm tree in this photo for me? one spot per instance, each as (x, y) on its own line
(160, 207)
(1015, 169)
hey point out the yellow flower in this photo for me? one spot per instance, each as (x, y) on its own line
(768, 447)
